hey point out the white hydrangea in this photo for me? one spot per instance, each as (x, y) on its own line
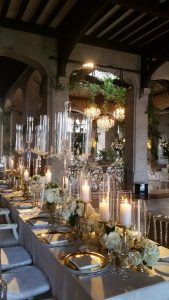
(135, 258)
(151, 253)
(53, 195)
(112, 241)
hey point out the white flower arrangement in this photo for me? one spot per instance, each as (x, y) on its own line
(144, 251)
(118, 163)
(118, 144)
(151, 253)
(52, 193)
(135, 258)
(74, 209)
(112, 241)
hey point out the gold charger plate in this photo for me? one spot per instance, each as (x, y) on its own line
(96, 257)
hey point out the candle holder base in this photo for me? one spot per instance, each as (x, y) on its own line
(25, 189)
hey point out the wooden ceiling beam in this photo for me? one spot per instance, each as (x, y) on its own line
(134, 27)
(5, 8)
(109, 21)
(26, 27)
(21, 10)
(55, 11)
(159, 51)
(71, 30)
(38, 11)
(120, 28)
(102, 43)
(151, 32)
(150, 7)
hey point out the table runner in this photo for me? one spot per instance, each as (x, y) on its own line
(105, 286)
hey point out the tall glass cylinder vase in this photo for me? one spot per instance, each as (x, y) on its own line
(58, 134)
(19, 146)
(29, 130)
(140, 218)
(44, 133)
(87, 137)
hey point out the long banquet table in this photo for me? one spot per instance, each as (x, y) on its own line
(64, 285)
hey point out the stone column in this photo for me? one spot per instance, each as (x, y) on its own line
(141, 135)
(136, 129)
(56, 99)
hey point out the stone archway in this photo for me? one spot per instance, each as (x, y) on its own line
(33, 101)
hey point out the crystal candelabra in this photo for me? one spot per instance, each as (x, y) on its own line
(105, 122)
(119, 114)
(92, 112)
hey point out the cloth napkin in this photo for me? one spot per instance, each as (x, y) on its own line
(38, 222)
(56, 238)
(24, 205)
(85, 262)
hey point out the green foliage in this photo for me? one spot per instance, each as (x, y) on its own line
(94, 90)
(105, 87)
(113, 93)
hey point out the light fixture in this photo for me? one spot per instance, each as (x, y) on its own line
(92, 112)
(88, 65)
(149, 145)
(105, 122)
(119, 114)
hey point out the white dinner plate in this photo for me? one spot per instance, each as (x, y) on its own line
(162, 268)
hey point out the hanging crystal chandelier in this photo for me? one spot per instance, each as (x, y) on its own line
(105, 122)
(92, 112)
(119, 114)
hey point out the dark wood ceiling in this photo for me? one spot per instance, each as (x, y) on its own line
(127, 25)
(135, 26)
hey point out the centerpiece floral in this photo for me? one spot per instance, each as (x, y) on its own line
(36, 184)
(52, 195)
(73, 210)
(144, 252)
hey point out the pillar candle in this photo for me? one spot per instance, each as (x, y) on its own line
(104, 210)
(125, 213)
(26, 175)
(48, 176)
(85, 192)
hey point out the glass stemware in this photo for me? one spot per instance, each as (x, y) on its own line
(112, 259)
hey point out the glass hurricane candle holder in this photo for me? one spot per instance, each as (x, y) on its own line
(124, 198)
(139, 218)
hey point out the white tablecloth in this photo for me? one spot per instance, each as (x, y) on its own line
(140, 286)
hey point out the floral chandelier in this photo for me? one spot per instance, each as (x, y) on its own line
(92, 112)
(119, 114)
(105, 122)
